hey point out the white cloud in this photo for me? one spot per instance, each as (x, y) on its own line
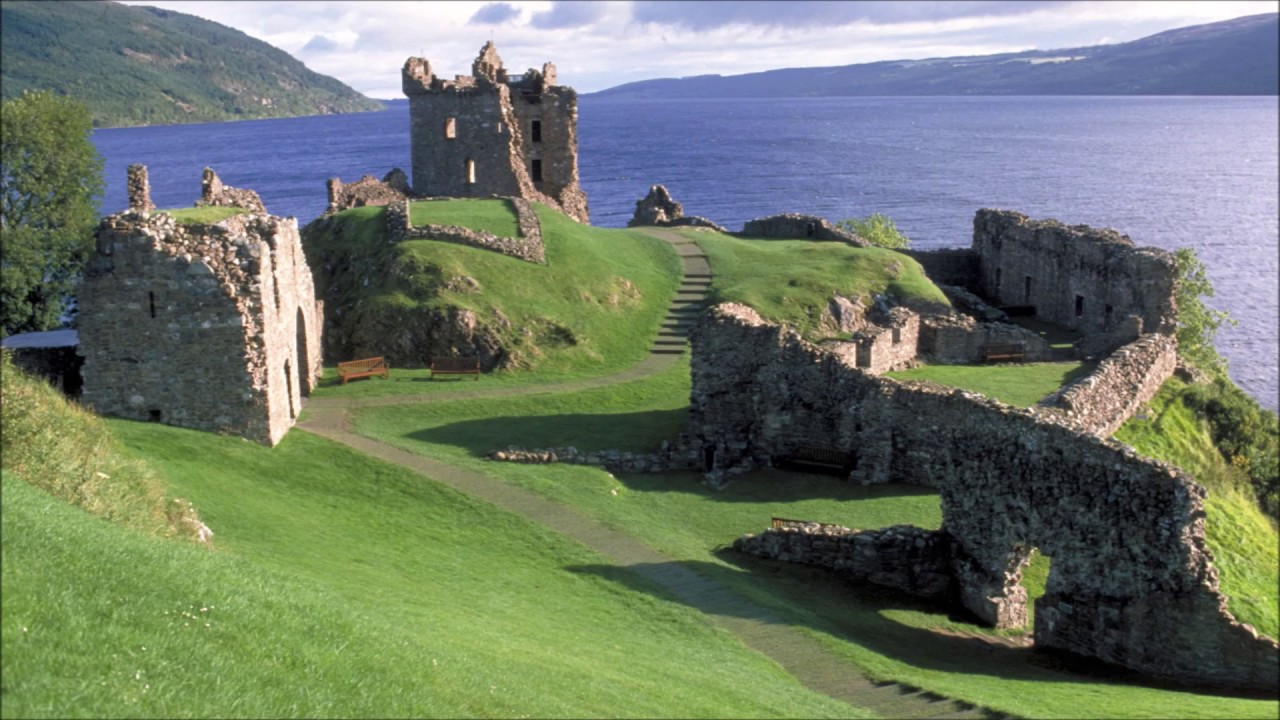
(598, 45)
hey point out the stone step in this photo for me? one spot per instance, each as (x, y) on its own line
(667, 351)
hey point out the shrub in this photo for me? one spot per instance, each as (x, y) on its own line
(876, 229)
(1197, 323)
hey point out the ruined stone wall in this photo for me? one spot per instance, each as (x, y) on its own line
(959, 340)
(528, 247)
(138, 186)
(792, 226)
(659, 209)
(952, 266)
(1075, 276)
(902, 557)
(367, 191)
(1104, 399)
(475, 136)
(1131, 583)
(211, 327)
(214, 193)
(879, 348)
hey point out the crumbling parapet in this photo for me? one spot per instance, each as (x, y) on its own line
(367, 191)
(1132, 581)
(214, 193)
(659, 209)
(139, 188)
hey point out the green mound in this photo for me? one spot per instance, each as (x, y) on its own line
(207, 215)
(593, 307)
(791, 281)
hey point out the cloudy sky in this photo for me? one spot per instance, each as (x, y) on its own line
(596, 45)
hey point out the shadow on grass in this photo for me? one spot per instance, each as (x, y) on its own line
(855, 613)
(772, 485)
(636, 432)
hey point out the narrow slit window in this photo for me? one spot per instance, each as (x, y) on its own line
(471, 172)
(1026, 290)
(1079, 306)
(897, 336)
(451, 128)
(152, 298)
(998, 278)
(536, 169)
(535, 130)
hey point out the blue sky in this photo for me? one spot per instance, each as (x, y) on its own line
(596, 45)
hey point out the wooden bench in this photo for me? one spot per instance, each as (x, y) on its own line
(993, 353)
(367, 367)
(455, 366)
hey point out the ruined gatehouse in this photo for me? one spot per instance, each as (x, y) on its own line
(205, 326)
(488, 134)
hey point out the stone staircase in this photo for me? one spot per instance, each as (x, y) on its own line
(690, 299)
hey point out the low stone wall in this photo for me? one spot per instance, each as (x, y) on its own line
(527, 247)
(902, 557)
(948, 267)
(959, 340)
(1132, 581)
(793, 226)
(1103, 400)
(214, 193)
(612, 460)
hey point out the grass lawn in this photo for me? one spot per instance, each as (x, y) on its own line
(1021, 384)
(207, 215)
(495, 216)
(791, 281)
(593, 308)
(886, 634)
(343, 586)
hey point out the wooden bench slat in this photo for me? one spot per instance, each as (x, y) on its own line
(455, 366)
(1003, 352)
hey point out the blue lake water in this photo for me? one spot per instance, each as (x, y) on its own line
(1202, 172)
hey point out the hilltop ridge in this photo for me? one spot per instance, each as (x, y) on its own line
(1233, 57)
(148, 66)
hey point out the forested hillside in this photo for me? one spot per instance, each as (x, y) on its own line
(147, 66)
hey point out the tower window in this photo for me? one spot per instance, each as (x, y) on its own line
(1026, 290)
(537, 170)
(152, 297)
(471, 171)
(1079, 306)
(451, 128)
(998, 279)
(535, 130)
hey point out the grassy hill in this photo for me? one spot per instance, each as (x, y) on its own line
(593, 307)
(146, 66)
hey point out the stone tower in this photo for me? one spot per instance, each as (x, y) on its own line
(487, 134)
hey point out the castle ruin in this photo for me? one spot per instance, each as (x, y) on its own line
(212, 327)
(487, 134)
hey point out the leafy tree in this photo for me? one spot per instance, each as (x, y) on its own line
(876, 229)
(50, 188)
(1197, 323)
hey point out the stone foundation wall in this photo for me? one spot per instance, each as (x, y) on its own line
(902, 557)
(959, 340)
(367, 191)
(1075, 276)
(210, 327)
(1125, 533)
(1104, 399)
(527, 247)
(882, 348)
(793, 226)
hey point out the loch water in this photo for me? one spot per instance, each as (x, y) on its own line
(1202, 172)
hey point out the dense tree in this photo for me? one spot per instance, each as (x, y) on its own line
(877, 229)
(1197, 323)
(50, 188)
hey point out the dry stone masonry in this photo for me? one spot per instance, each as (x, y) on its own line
(1131, 582)
(214, 193)
(793, 226)
(1104, 399)
(211, 327)
(367, 191)
(488, 134)
(659, 209)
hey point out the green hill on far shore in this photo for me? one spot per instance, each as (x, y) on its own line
(148, 66)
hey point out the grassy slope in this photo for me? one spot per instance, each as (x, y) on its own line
(592, 309)
(890, 636)
(1243, 540)
(1021, 384)
(204, 215)
(487, 611)
(791, 281)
